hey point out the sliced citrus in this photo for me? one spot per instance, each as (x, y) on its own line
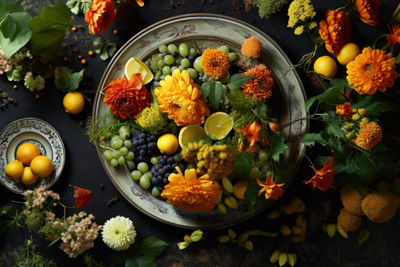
(135, 65)
(189, 133)
(218, 125)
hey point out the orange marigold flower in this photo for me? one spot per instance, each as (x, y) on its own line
(370, 134)
(191, 193)
(368, 11)
(272, 190)
(100, 16)
(371, 70)
(251, 47)
(140, 3)
(251, 132)
(260, 86)
(335, 30)
(180, 98)
(394, 34)
(127, 98)
(344, 110)
(323, 178)
(215, 63)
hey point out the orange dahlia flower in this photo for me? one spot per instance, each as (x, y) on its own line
(127, 98)
(215, 63)
(394, 34)
(272, 190)
(370, 134)
(344, 110)
(260, 86)
(100, 16)
(191, 193)
(335, 30)
(180, 98)
(323, 178)
(371, 70)
(368, 11)
(251, 47)
(251, 132)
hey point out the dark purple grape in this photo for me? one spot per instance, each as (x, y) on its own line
(165, 181)
(161, 161)
(154, 181)
(170, 160)
(174, 53)
(191, 57)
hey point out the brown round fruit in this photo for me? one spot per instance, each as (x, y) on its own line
(348, 221)
(351, 200)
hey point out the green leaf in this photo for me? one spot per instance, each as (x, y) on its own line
(309, 139)
(105, 49)
(215, 95)
(65, 80)
(79, 6)
(376, 105)
(242, 166)
(332, 96)
(237, 80)
(262, 111)
(49, 29)
(277, 146)
(334, 129)
(206, 88)
(250, 196)
(8, 26)
(145, 254)
(338, 83)
(76, 78)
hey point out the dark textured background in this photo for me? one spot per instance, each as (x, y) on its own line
(83, 168)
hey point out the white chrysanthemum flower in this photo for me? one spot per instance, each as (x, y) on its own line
(118, 233)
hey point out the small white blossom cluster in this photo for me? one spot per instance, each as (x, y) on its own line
(39, 196)
(33, 82)
(119, 233)
(80, 234)
(5, 66)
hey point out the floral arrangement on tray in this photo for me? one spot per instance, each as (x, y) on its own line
(194, 126)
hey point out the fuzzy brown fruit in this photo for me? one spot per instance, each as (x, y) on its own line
(380, 207)
(351, 200)
(347, 221)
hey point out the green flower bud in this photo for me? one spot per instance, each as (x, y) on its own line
(196, 235)
(274, 256)
(248, 245)
(187, 239)
(231, 234)
(183, 245)
(223, 238)
(283, 257)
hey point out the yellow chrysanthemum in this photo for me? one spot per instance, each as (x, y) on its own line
(215, 63)
(300, 11)
(372, 70)
(191, 193)
(370, 134)
(180, 98)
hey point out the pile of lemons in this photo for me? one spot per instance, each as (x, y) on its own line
(30, 165)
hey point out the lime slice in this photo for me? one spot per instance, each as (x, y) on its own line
(189, 133)
(218, 125)
(135, 65)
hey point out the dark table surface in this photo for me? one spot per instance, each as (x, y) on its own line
(83, 168)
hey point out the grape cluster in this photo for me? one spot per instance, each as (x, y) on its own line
(121, 152)
(145, 146)
(163, 167)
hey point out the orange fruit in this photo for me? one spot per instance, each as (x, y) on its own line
(167, 143)
(326, 66)
(14, 169)
(348, 53)
(41, 166)
(27, 152)
(28, 177)
(73, 102)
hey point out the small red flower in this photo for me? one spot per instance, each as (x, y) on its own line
(82, 196)
(272, 190)
(323, 178)
(251, 132)
(344, 110)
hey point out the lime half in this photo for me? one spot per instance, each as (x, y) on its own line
(135, 65)
(218, 125)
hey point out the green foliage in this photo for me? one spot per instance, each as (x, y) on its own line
(250, 196)
(4, 216)
(241, 108)
(49, 30)
(237, 80)
(146, 252)
(277, 146)
(242, 166)
(14, 30)
(213, 91)
(67, 81)
(377, 104)
(309, 139)
(268, 7)
(332, 96)
(27, 256)
(35, 219)
(89, 261)
(105, 49)
(79, 6)
(16, 74)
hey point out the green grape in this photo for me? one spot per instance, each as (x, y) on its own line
(143, 167)
(159, 56)
(197, 65)
(183, 50)
(144, 182)
(177, 158)
(130, 155)
(178, 60)
(160, 63)
(114, 163)
(172, 48)
(163, 48)
(173, 68)
(154, 160)
(130, 164)
(193, 51)
(135, 175)
(124, 132)
(162, 77)
(185, 62)
(116, 142)
(124, 151)
(181, 68)
(121, 160)
(255, 173)
(263, 156)
(115, 154)
(232, 56)
(166, 70)
(128, 143)
(107, 155)
(192, 72)
(148, 174)
(224, 49)
(168, 59)
(155, 192)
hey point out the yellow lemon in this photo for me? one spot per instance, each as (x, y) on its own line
(239, 189)
(167, 143)
(189, 133)
(326, 66)
(73, 102)
(27, 152)
(14, 169)
(28, 177)
(348, 53)
(41, 166)
(135, 65)
(218, 125)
